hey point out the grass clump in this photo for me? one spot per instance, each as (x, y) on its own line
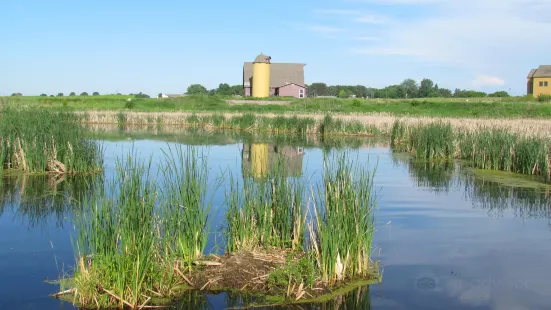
(485, 148)
(294, 274)
(141, 234)
(269, 213)
(45, 141)
(342, 231)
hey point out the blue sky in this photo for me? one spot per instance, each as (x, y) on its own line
(163, 46)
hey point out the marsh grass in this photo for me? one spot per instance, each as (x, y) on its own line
(265, 212)
(486, 148)
(44, 141)
(140, 233)
(280, 124)
(342, 231)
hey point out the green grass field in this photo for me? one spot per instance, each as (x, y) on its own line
(443, 107)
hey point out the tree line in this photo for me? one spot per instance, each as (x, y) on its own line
(84, 94)
(223, 89)
(409, 88)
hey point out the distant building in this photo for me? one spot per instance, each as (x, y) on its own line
(172, 95)
(285, 79)
(539, 81)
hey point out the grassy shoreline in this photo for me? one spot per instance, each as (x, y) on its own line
(487, 148)
(436, 107)
(353, 124)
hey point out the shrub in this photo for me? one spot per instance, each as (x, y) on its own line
(544, 98)
(357, 103)
(129, 104)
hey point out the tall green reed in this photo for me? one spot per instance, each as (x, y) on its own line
(185, 209)
(42, 140)
(485, 148)
(342, 231)
(140, 228)
(265, 212)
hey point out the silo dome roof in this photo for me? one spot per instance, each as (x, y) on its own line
(262, 58)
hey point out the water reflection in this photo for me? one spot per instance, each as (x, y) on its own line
(357, 298)
(34, 198)
(497, 196)
(260, 159)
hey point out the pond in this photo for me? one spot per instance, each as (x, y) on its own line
(447, 237)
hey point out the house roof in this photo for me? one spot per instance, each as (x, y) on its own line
(280, 86)
(531, 74)
(543, 71)
(280, 73)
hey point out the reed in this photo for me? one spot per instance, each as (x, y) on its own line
(342, 231)
(250, 122)
(116, 250)
(44, 141)
(140, 231)
(265, 212)
(185, 211)
(486, 148)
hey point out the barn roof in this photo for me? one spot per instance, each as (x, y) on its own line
(280, 73)
(543, 71)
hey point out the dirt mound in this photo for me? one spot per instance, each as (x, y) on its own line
(238, 271)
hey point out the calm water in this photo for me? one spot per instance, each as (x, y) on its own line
(447, 239)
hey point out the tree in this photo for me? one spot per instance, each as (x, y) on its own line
(72, 94)
(16, 94)
(371, 92)
(360, 91)
(95, 93)
(140, 95)
(84, 94)
(426, 88)
(237, 90)
(224, 90)
(501, 94)
(343, 94)
(409, 88)
(43, 95)
(318, 89)
(60, 94)
(160, 95)
(444, 92)
(196, 89)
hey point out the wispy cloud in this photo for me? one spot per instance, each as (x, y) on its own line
(325, 29)
(339, 12)
(365, 38)
(372, 19)
(487, 80)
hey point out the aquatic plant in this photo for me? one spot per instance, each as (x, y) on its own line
(184, 209)
(265, 212)
(342, 231)
(486, 148)
(141, 233)
(41, 140)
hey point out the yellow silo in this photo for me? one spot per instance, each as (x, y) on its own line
(261, 76)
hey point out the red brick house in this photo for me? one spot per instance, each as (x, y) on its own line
(286, 79)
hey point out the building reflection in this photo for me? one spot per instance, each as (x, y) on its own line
(258, 160)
